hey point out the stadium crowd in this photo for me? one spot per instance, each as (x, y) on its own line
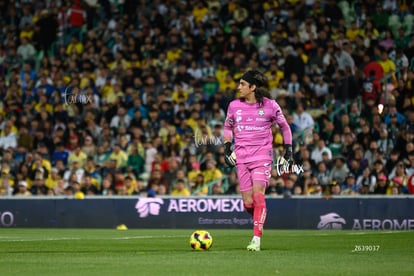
(129, 97)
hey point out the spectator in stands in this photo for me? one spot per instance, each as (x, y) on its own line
(387, 64)
(74, 172)
(77, 155)
(23, 189)
(46, 28)
(385, 143)
(199, 187)
(26, 51)
(87, 186)
(381, 186)
(339, 171)
(8, 138)
(349, 187)
(302, 118)
(7, 183)
(366, 182)
(211, 173)
(120, 157)
(180, 189)
(322, 174)
(39, 187)
(76, 16)
(75, 47)
(320, 149)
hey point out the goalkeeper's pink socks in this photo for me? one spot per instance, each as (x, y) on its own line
(249, 208)
(259, 214)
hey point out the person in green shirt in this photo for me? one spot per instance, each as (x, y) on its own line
(402, 40)
(135, 162)
(337, 145)
(380, 18)
(102, 156)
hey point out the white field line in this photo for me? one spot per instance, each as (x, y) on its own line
(314, 234)
(23, 239)
(149, 237)
(317, 233)
(373, 232)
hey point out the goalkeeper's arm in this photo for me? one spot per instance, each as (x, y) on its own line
(229, 157)
(287, 140)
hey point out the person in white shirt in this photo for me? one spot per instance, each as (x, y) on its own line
(301, 118)
(121, 119)
(26, 50)
(8, 139)
(320, 149)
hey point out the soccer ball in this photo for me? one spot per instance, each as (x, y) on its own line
(201, 240)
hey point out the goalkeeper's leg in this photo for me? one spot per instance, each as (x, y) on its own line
(245, 183)
(260, 178)
(259, 217)
(248, 202)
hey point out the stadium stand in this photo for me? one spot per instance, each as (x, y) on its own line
(124, 97)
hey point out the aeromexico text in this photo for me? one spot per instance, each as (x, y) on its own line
(383, 224)
(228, 205)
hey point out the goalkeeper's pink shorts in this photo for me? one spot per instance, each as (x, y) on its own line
(257, 172)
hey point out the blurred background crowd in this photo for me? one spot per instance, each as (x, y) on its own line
(103, 97)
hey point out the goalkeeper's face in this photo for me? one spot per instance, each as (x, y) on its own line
(246, 90)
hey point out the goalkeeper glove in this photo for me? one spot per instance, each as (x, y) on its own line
(228, 155)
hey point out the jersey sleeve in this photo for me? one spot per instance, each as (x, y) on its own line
(280, 120)
(229, 124)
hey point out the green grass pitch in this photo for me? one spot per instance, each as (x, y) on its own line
(167, 252)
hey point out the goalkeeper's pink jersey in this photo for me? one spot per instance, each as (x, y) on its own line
(251, 127)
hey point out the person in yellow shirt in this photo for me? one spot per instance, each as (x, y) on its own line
(120, 156)
(386, 63)
(27, 32)
(353, 31)
(274, 75)
(74, 46)
(179, 92)
(200, 187)
(180, 189)
(193, 173)
(369, 31)
(193, 120)
(40, 165)
(107, 88)
(119, 63)
(221, 73)
(199, 11)
(212, 173)
(130, 184)
(44, 105)
(77, 155)
(52, 181)
(173, 54)
(228, 83)
(6, 182)
(115, 93)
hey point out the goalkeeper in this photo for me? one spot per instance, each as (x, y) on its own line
(249, 121)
